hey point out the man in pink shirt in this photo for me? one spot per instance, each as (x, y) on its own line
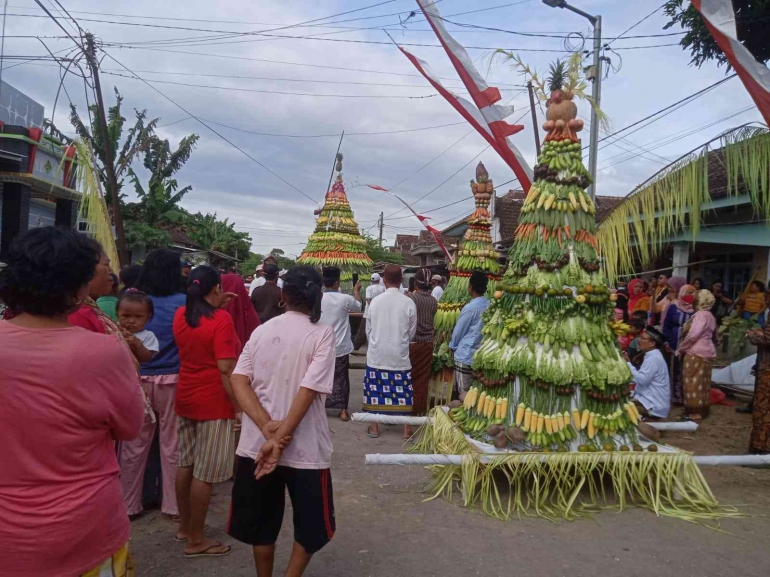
(66, 396)
(281, 382)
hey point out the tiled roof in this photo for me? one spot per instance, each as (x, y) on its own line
(403, 245)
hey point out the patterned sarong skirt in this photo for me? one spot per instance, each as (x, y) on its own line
(388, 392)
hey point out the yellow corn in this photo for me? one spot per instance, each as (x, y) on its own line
(584, 419)
(548, 424)
(504, 409)
(576, 418)
(480, 405)
(591, 430)
(527, 418)
(540, 423)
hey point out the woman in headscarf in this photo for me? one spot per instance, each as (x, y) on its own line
(421, 347)
(240, 308)
(637, 298)
(675, 284)
(698, 350)
(677, 316)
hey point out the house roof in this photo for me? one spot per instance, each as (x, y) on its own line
(403, 245)
(180, 237)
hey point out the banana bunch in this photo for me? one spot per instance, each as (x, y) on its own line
(446, 318)
(619, 328)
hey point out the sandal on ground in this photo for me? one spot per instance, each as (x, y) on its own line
(372, 435)
(344, 419)
(208, 553)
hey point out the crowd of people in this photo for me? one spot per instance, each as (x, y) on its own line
(673, 341)
(233, 378)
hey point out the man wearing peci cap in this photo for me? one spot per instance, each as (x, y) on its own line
(259, 280)
(374, 289)
(437, 282)
(335, 312)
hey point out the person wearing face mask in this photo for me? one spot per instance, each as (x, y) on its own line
(677, 316)
(698, 352)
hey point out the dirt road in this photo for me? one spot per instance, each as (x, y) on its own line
(384, 528)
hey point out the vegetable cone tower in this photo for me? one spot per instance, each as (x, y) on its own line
(549, 375)
(336, 240)
(549, 346)
(475, 253)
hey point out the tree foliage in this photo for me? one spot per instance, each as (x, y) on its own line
(752, 22)
(138, 138)
(158, 206)
(219, 235)
(379, 254)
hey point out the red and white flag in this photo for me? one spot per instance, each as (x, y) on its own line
(484, 114)
(436, 234)
(719, 17)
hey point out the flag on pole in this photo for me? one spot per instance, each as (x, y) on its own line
(436, 234)
(484, 114)
(719, 17)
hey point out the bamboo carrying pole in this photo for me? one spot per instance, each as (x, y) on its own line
(406, 420)
(424, 460)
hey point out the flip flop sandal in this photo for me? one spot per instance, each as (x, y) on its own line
(372, 435)
(205, 552)
(345, 419)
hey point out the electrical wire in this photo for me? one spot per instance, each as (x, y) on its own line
(622, 34)
(314, 94)
(227, 140)
(669, 108)
(333, 134)
(303, 64)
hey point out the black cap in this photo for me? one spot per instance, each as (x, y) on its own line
(331, 273)
(656, 335)
(271, 271)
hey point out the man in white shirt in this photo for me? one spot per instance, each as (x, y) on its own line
(652, 395)
(438, 286)
(335, 312)
(259, 280)
(374, 289)
(391, 326)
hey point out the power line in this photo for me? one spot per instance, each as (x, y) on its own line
(227, 140)
(333, 134)
(236, 89)
(638, 23)
(282, 62)
(678, 136)
(670, 106)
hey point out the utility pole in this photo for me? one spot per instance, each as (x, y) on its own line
(596, 94)
(594, 74)
(534, 116)
(382, 223)
(109, 154)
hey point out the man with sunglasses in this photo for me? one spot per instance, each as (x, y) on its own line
(652, 395)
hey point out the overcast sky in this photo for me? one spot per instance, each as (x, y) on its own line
(228, 183)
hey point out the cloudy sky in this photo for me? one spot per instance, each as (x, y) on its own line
(284, 100)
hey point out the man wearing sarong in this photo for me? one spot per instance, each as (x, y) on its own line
(335, 312)
(391, 326)
(466, 337)
(421, 347)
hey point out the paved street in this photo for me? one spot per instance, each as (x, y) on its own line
(383, 529)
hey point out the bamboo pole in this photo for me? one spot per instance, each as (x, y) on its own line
(424, 460)
(408, 420)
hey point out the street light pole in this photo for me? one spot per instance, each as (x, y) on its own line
(596, 91)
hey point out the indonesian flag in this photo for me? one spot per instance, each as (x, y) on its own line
(484, 114)
(720, 19)
(436, 234)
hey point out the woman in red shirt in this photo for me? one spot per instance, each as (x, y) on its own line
(208, 348)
